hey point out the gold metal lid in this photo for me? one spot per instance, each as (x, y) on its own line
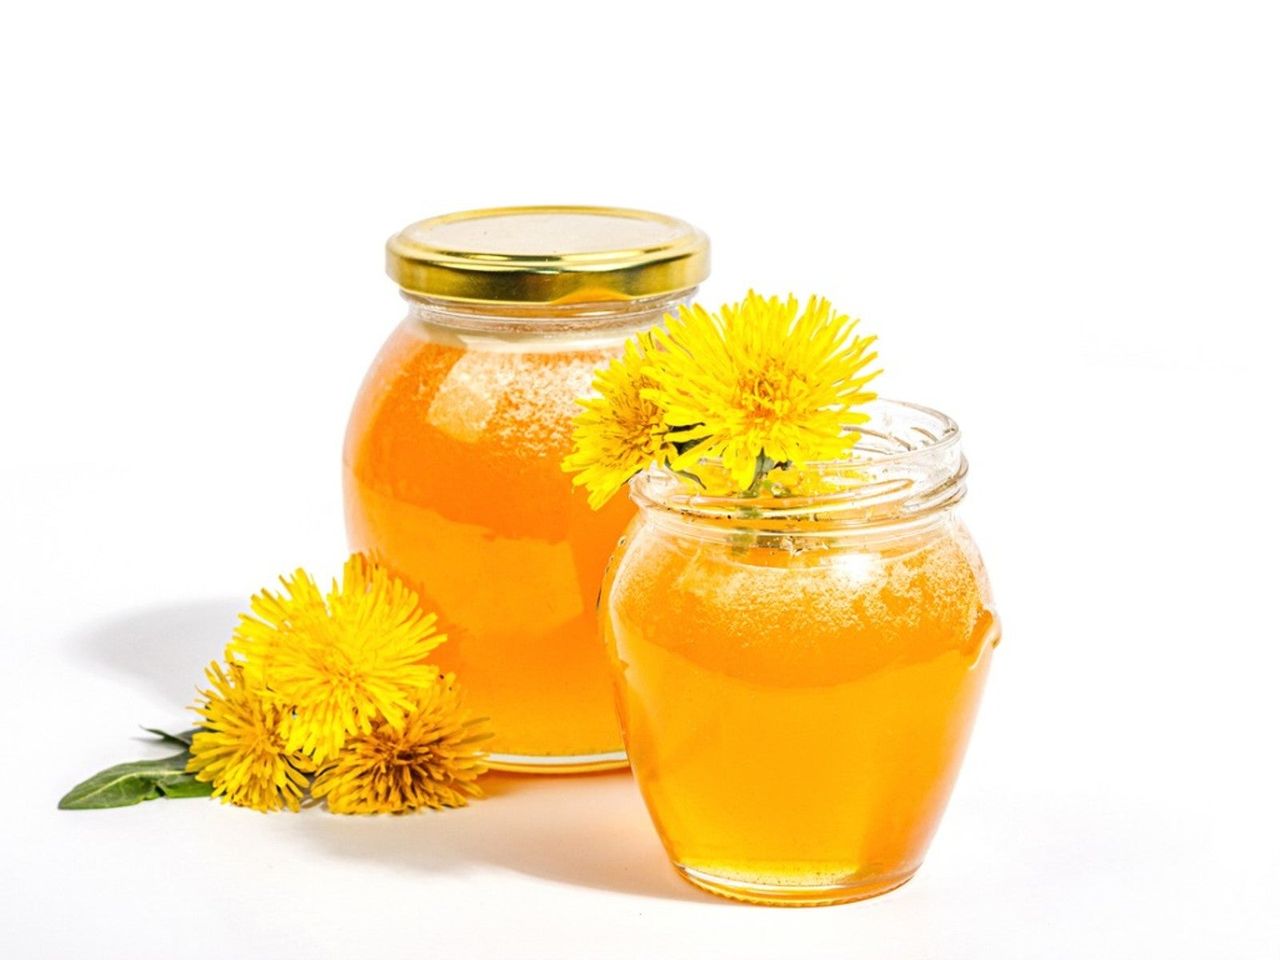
(548, 255)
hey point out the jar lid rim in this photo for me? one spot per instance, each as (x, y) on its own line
(548, 254)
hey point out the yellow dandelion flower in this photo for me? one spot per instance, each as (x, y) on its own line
(341, 663)
(760, 383)
(432, 761)
(240, 748)
(620, 431)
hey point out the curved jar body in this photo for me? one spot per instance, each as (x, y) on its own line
(452, 463)
(797, 688)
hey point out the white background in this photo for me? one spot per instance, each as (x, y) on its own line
(1063, 222)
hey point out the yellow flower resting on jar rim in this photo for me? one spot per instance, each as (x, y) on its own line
(759, 386)
(622, 430)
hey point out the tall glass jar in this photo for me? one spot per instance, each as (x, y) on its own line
(797, 674)
(452, 456)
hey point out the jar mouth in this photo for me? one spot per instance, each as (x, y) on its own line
(906, 464)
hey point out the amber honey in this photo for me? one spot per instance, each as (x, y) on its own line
(453, 481)
(796, 705)
(797, 724)
(452, 472)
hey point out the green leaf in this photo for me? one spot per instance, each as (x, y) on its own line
(186, 786)
(182, 739)
(128, 783)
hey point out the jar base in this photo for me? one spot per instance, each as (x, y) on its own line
(585, 763)
(793, 895)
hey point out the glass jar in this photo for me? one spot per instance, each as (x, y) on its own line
(452, 456)
(797, 675)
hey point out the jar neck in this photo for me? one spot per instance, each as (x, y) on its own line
(604, 319)
(906, 475)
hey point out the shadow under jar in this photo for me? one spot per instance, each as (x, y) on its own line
(797, 675)
(452, 458)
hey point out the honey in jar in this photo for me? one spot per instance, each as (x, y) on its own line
(452, 457)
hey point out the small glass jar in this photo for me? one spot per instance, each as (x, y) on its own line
(452, 456)
(797, 675)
